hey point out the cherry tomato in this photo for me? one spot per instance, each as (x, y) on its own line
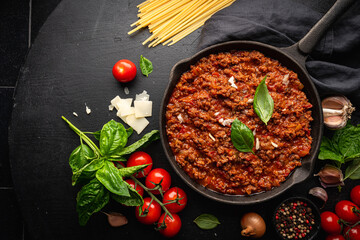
(140, 158)
(355, 195)
(124, 71)
(179, 196)
(330, 223)
(335, 237)
(151, 211)
(135, 186)
(158, 176)
(354, 233)
(347, 211)
(173, 225)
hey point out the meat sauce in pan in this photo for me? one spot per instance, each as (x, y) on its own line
(203, 105)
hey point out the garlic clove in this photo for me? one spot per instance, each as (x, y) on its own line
(337, 110)
(116, 219)
(330, 176)
(319, 193)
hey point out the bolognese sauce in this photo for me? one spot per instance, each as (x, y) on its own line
(215, 91)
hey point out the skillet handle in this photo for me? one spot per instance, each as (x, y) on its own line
(308, 42)
(303, 48)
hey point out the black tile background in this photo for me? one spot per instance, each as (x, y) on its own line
(20, 22)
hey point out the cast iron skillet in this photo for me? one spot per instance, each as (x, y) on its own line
(293, 58)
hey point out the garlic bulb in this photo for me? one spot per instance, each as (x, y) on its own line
(337, 110)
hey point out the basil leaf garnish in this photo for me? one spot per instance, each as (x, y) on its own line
(353, 170)
(242, 137)
(206, 221)
(145, 66)
(128, 171)
(263, 103)
(111, 178)
(113, 138)
(81, 156)
(91, 198)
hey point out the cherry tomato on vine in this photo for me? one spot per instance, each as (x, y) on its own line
(175, 194)
(335, 237)
(347, 211)
(137, 187)
(173, 225)
(140, 158)
(354, 233)
(124, 71)
(158, 176)
(151, 211)
(330, 223)
(355, 195)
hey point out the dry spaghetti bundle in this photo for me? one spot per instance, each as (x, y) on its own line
(171, 20)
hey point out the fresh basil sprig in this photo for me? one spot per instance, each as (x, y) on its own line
(93, 166)
(343, 148)
(241, 136)
(206, 221)
(145, 66)
(263, 103)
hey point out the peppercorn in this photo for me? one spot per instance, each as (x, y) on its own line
(294, 220)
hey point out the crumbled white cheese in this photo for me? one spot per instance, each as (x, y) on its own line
(226, 122)
(143, 108)
(75, 114)
(138, 124)
(87, 109)
(217, 113)
(111, 107)
(212, 137)
(232, 82)
(115, 101)
(250, 100)
(126, 90)
(142, 96)
(254, 132)
(286, 80)
(257, 145)
(274, 145)
(181, 120)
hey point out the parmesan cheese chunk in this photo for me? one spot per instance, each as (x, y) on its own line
(232, 82)
(142, 96)
(124, 107)
(138, 124)
(143, 108)
(115, 102)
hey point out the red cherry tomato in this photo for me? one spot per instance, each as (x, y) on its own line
(330, 223)
(355, 195)
(347, 211)
(158, 176)
(173, 225)
(140, 158)
(179, 196)
(335, 237)
(124, 71)
(151, 211)
(354, 233)
(135, 186)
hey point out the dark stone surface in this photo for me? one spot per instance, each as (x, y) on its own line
(10, 218)
(70, 65)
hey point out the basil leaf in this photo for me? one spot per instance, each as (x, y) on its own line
(90, 199)
(135, 198)
(113, 138)
(263, 103)
(206, 221)
(97, 135)
(88, 171)
(111, 178)
(129, 171)
(353, 170)
(327, 151)
(80, 157)
(143, 142)
(145, 66)
(349, 141)
(129, 131)
(242, 137)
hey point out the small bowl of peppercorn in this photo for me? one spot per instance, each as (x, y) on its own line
(297, 218)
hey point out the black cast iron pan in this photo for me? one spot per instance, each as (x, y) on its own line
(293, 58)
